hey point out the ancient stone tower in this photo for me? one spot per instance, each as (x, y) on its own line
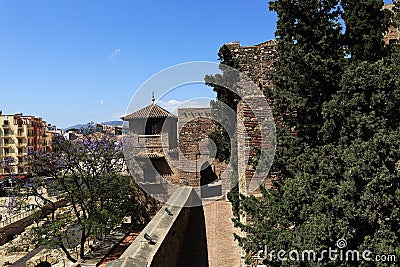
(257, 63)
(162, 165)
(152, 137)
(197, 162)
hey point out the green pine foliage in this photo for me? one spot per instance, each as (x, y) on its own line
(309, 50)
(365, 24)
(339, 177)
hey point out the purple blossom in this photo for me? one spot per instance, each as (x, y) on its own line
(8, 161)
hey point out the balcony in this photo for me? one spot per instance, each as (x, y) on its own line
(6, 126)
(20, 133)
(21, 145)
(6, 145)
(7, 154)
(148, 145)
(149, 141)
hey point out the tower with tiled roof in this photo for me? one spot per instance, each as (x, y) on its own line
(152, 134)
(153, 122)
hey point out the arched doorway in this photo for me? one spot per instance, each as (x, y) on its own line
(208, 176)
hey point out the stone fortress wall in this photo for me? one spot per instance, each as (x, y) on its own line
(257, 62)
(194, 126)
(196, 149)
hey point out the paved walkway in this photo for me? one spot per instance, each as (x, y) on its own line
(97, 254)
(223, 250)
(119, 249)
(22, 261)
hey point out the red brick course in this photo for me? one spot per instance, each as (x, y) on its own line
(223, 250)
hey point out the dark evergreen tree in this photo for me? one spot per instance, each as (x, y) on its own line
(309, 50)
(366, 23)
(368, 101)
(347, 183)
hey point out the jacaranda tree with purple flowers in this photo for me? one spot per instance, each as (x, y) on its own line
(5, 164)
(83, 191)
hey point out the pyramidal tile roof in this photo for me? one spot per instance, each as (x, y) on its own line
(152, 111)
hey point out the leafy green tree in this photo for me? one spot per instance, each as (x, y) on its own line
(345, 183)
(310, 52)
(368, 101)
(224, 85)
(396, 14)
(349, 192)
(5, 164)
(366, 23)
(83, 194)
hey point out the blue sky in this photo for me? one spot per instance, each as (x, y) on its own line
(78, 61)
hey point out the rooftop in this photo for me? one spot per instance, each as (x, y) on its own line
(152, 111)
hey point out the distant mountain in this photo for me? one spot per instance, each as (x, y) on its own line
(109, 123)
(77, 126)
(113, 123)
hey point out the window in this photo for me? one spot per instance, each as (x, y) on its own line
(151, 127)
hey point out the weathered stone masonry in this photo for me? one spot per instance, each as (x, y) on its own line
(257, 63)
(194, 127)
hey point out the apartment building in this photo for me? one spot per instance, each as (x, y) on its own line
(19, 134)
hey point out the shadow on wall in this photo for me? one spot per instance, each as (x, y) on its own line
(146, 207)
(207, 176)
(43, 264)
(194, 249)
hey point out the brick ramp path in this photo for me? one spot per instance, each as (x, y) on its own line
(223, 250)
(119, 249)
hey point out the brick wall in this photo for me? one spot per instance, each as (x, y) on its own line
(194, 127)
(257, 61)
(253, 119)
